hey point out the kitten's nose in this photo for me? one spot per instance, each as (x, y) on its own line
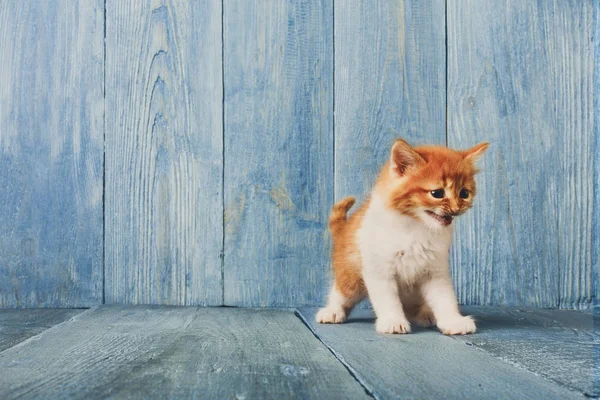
(453, 207)
(454, 210)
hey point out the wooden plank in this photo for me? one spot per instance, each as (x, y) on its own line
(596, 183)
(168, 352)
(164, 152)
(556, 344)
(390, 82)
(524, 82)
(17, 325)
(51, 153)
(278, 61)
(426, 364)
(596, 353)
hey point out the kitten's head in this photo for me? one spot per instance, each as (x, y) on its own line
(431, 183)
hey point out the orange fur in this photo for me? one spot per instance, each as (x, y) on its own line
(405, 182)
(345, 255)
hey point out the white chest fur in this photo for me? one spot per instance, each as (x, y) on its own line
(390, 242)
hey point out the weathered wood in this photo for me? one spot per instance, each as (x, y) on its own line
(520, 75)
(596, 182)
(17, 325)
(168, 352)
(426, 364)
(596, 354)
(390, 82)
(556, 344)
(278, 61)
(51, 153)
(163, 152)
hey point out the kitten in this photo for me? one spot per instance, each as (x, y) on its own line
(395, 248)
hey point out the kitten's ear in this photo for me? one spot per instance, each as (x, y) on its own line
(475, 152)
(403, 157)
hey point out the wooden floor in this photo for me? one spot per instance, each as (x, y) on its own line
(229, 353)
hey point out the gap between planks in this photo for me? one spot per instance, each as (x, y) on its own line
(368, 388)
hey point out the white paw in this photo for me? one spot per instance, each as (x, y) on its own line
(392, 325)
(457, 326)
(331, 316)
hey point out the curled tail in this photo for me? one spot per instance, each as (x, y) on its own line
(339, 211)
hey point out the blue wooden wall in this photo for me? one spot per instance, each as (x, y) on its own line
(164, 152)
(525, 82)
(51, 152)
(188, 152)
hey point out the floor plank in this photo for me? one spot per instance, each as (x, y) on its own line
(176, 352)
(17, 325)
(556, 344)
(426, 364)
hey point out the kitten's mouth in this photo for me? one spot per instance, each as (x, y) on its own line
(445, 220)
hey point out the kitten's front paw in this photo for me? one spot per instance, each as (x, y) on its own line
(331, 316)
(392, 325)
(457, 326)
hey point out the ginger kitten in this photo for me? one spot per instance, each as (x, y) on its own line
(395, 248)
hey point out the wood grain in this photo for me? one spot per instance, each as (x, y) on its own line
(278, 61)
(164, 152)
(17, 325)
(555, 344)
(390, 66)
(520, 75)
(51, 153)
(314, 93)
(426, 364)
(176, 352)
(596, 182)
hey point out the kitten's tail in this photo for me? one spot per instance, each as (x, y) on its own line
(338, 213)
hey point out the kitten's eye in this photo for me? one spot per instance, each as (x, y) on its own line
(437, 193)
(464, 194)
